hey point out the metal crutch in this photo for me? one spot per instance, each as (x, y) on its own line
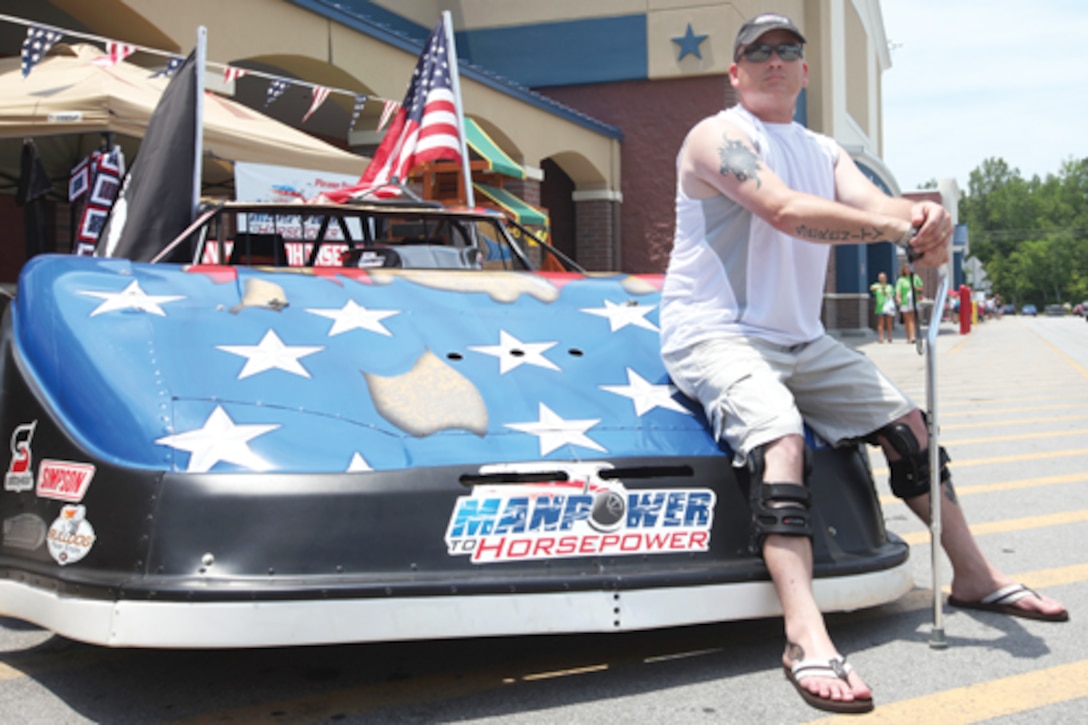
(936, 637)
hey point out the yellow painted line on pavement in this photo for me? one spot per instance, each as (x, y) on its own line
(552, 674)
(1072, 363)
(1000, 527)
(976, 410)
(962, 491)
(984, 700)
(992, 460)
(1013, 437)
(959, 396)
(978, 404)
(1019, 421)
(1056, 577)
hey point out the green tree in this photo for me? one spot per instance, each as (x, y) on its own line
(1031, 234)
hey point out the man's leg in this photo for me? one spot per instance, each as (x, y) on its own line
(973, 577)
(789, 560)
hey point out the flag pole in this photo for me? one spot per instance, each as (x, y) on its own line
(455, 81)
(198, 145)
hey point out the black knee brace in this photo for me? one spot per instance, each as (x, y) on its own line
(790, 517)
(910, 474)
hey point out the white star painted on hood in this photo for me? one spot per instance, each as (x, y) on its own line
(358, 463)
(513, 353)
(131, 298)
(219, 440)
(645, 395)
(356, 317)
(555, 432)
(620, 316)
(271, 354)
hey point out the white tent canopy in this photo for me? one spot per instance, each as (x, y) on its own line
(67, 103)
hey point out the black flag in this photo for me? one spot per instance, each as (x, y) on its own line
(34, 185)
(156, 200)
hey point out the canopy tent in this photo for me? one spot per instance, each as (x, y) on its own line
(67, 103)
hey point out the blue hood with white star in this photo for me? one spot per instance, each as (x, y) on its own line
(329, 370)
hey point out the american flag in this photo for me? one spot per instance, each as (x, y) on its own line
(320, 93)
(115, 53)
(388, 109)
(425, 127)
(275, 90)
(37, 43)
(231, 74)
(360, 101)
(171, 67)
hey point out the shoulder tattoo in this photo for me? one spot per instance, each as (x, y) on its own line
(738, 160)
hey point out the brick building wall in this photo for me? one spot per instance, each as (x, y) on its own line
(596, 223)
(655, 117)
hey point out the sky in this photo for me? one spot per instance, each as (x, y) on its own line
(974, 79)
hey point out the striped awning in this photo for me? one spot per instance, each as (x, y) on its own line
(489, 151)
(522, 212)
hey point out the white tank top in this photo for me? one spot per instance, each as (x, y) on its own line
(732, 273)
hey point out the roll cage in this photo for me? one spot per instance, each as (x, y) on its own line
(399, 234)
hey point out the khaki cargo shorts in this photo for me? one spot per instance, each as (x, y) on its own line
(755, 392)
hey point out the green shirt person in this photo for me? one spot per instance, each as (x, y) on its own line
(906, 287)
(884, 296)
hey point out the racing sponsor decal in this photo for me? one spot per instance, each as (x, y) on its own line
(64, 480)
(24, 531)
(20, 476)
(578, 517)
(71, 536)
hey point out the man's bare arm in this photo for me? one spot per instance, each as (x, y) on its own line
(719, 159)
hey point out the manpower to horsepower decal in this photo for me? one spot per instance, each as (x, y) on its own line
(580, 516)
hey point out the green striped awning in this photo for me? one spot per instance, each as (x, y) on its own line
(521, 212)
(489, 151)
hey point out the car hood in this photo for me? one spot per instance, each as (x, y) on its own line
(233, 368)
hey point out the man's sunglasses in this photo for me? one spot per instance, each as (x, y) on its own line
(761, 51)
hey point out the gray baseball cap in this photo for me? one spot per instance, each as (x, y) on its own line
(760, 24)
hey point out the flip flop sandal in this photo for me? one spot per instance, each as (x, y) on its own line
(834, 667)
(1003, 602)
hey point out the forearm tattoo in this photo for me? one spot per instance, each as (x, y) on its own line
(863, 235)
(738, 160)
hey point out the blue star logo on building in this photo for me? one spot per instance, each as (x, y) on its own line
(689, 43)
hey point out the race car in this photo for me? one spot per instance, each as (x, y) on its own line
(376, 422)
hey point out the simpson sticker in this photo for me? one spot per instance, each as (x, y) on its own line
(71, 536)
(64, 480)
(20, 476)
(578, 518)
(24, 531)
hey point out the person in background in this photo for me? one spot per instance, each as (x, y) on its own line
(906, 288)
(760, 200)
(884, 298)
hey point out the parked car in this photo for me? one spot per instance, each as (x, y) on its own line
(1029, 309)
(1009, 310)
(1054, 310)
(377, 423)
